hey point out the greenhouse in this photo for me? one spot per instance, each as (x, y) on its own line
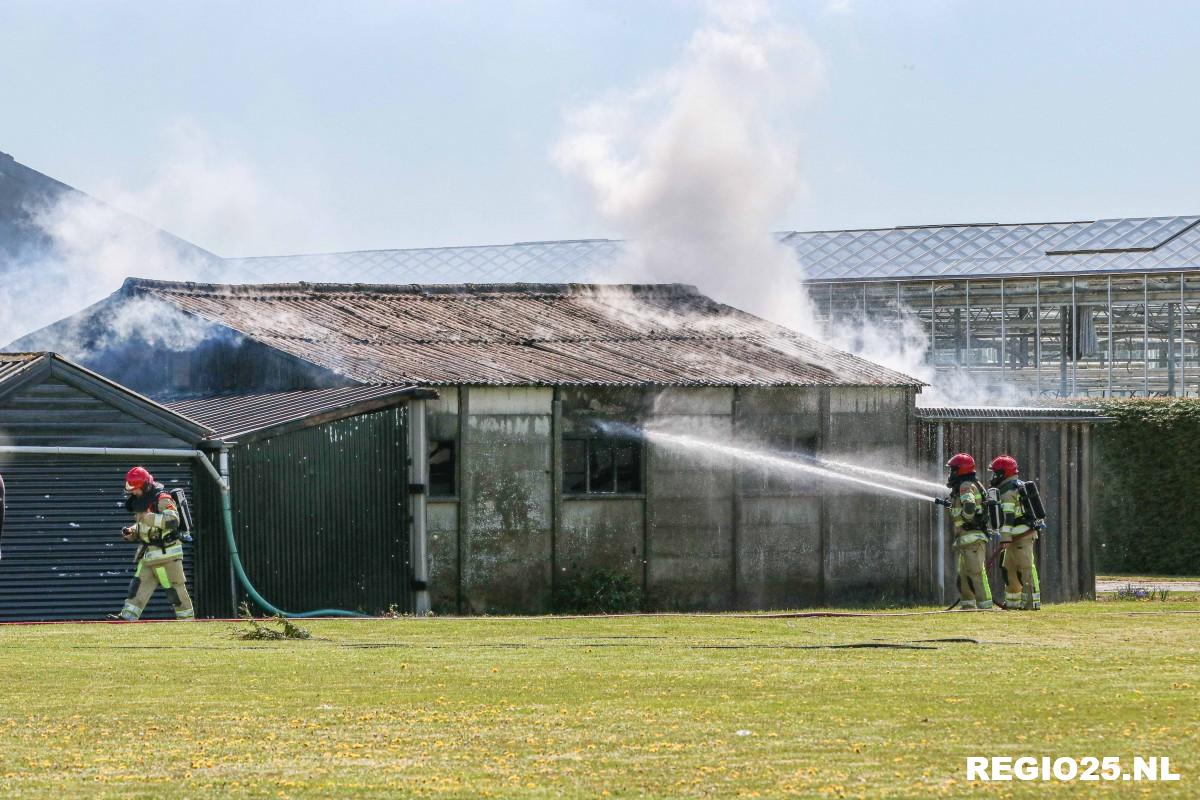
(1082, 309)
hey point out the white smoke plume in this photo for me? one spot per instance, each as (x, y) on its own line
(197, 191)
(694, 166)
(93, 248)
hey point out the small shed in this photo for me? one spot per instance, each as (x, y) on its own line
(67, 436)
(1053, 447)
(321, 502)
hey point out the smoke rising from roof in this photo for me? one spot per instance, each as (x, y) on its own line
(197, 190)
(92, 247)
(695, 165)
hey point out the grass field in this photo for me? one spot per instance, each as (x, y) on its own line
(620, 707)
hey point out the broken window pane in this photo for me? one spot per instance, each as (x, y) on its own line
(601, 474)
(575, 466)
(629, 467)
(441, 468)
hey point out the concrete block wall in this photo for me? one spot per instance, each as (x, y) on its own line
(873, 539)
(689, 504)
(779, 533)
(703, 533)
(505, 500)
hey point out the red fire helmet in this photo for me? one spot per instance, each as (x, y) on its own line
(137, 478)
(962, 464)
(1004, 464)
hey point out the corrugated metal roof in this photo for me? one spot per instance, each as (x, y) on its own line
(235, 416)
(13, 363)
(522, 334)
(1036, 413)
(1092, 246)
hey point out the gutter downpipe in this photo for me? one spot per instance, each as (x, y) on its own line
(941, 520)
(222, 479)
(418, 466)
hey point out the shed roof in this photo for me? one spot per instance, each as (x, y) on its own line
(1132, 244)
(522, 334)
(1030, 413)
(21, 370)
(243, 416)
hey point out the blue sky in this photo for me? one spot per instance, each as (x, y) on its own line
(402, 124)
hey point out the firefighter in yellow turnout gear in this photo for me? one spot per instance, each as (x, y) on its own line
(970, 533)
(1018, 537)
(160, 552)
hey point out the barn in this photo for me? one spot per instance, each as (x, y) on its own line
(526, 492)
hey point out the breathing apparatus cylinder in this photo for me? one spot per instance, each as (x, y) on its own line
(185, 514)
(994, 514)
(1031, 500)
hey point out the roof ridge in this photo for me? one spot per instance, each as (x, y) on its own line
(363, 251)
(137, 285)
(784, 234)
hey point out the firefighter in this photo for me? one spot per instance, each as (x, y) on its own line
(970, 532)
(160, 552)
(1018, 534)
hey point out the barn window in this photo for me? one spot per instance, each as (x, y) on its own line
(441, 468)
(602, 465)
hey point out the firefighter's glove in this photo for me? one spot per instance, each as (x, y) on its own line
(128, 534)
(1040, 524)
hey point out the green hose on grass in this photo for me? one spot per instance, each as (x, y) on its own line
(227, 515)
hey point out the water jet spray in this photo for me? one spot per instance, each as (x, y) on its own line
(800, 465)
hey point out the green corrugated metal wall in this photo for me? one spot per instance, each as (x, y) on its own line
(321, 519)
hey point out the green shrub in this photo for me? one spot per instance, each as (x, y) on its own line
(597, 592)
(1146, 487)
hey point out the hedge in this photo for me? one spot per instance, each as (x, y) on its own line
(1146, 487)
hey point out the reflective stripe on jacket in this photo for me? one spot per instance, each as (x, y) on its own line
(964, 506)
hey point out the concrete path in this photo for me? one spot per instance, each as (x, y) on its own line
(1155, 584)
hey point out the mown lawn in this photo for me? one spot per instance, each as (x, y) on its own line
(621, 707)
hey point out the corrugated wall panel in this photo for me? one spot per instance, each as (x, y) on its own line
(321, 515)
(1051, 453)
(61, 556)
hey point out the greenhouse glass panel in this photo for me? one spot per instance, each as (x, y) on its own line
(1163, 335)
(917, 315)
(984, 348)
(846, 305)
(1089, 337)
(1020, 335)
(880, 304)
(1054, 332)
(1189, 323)
(949, 324)
(1129, 330)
